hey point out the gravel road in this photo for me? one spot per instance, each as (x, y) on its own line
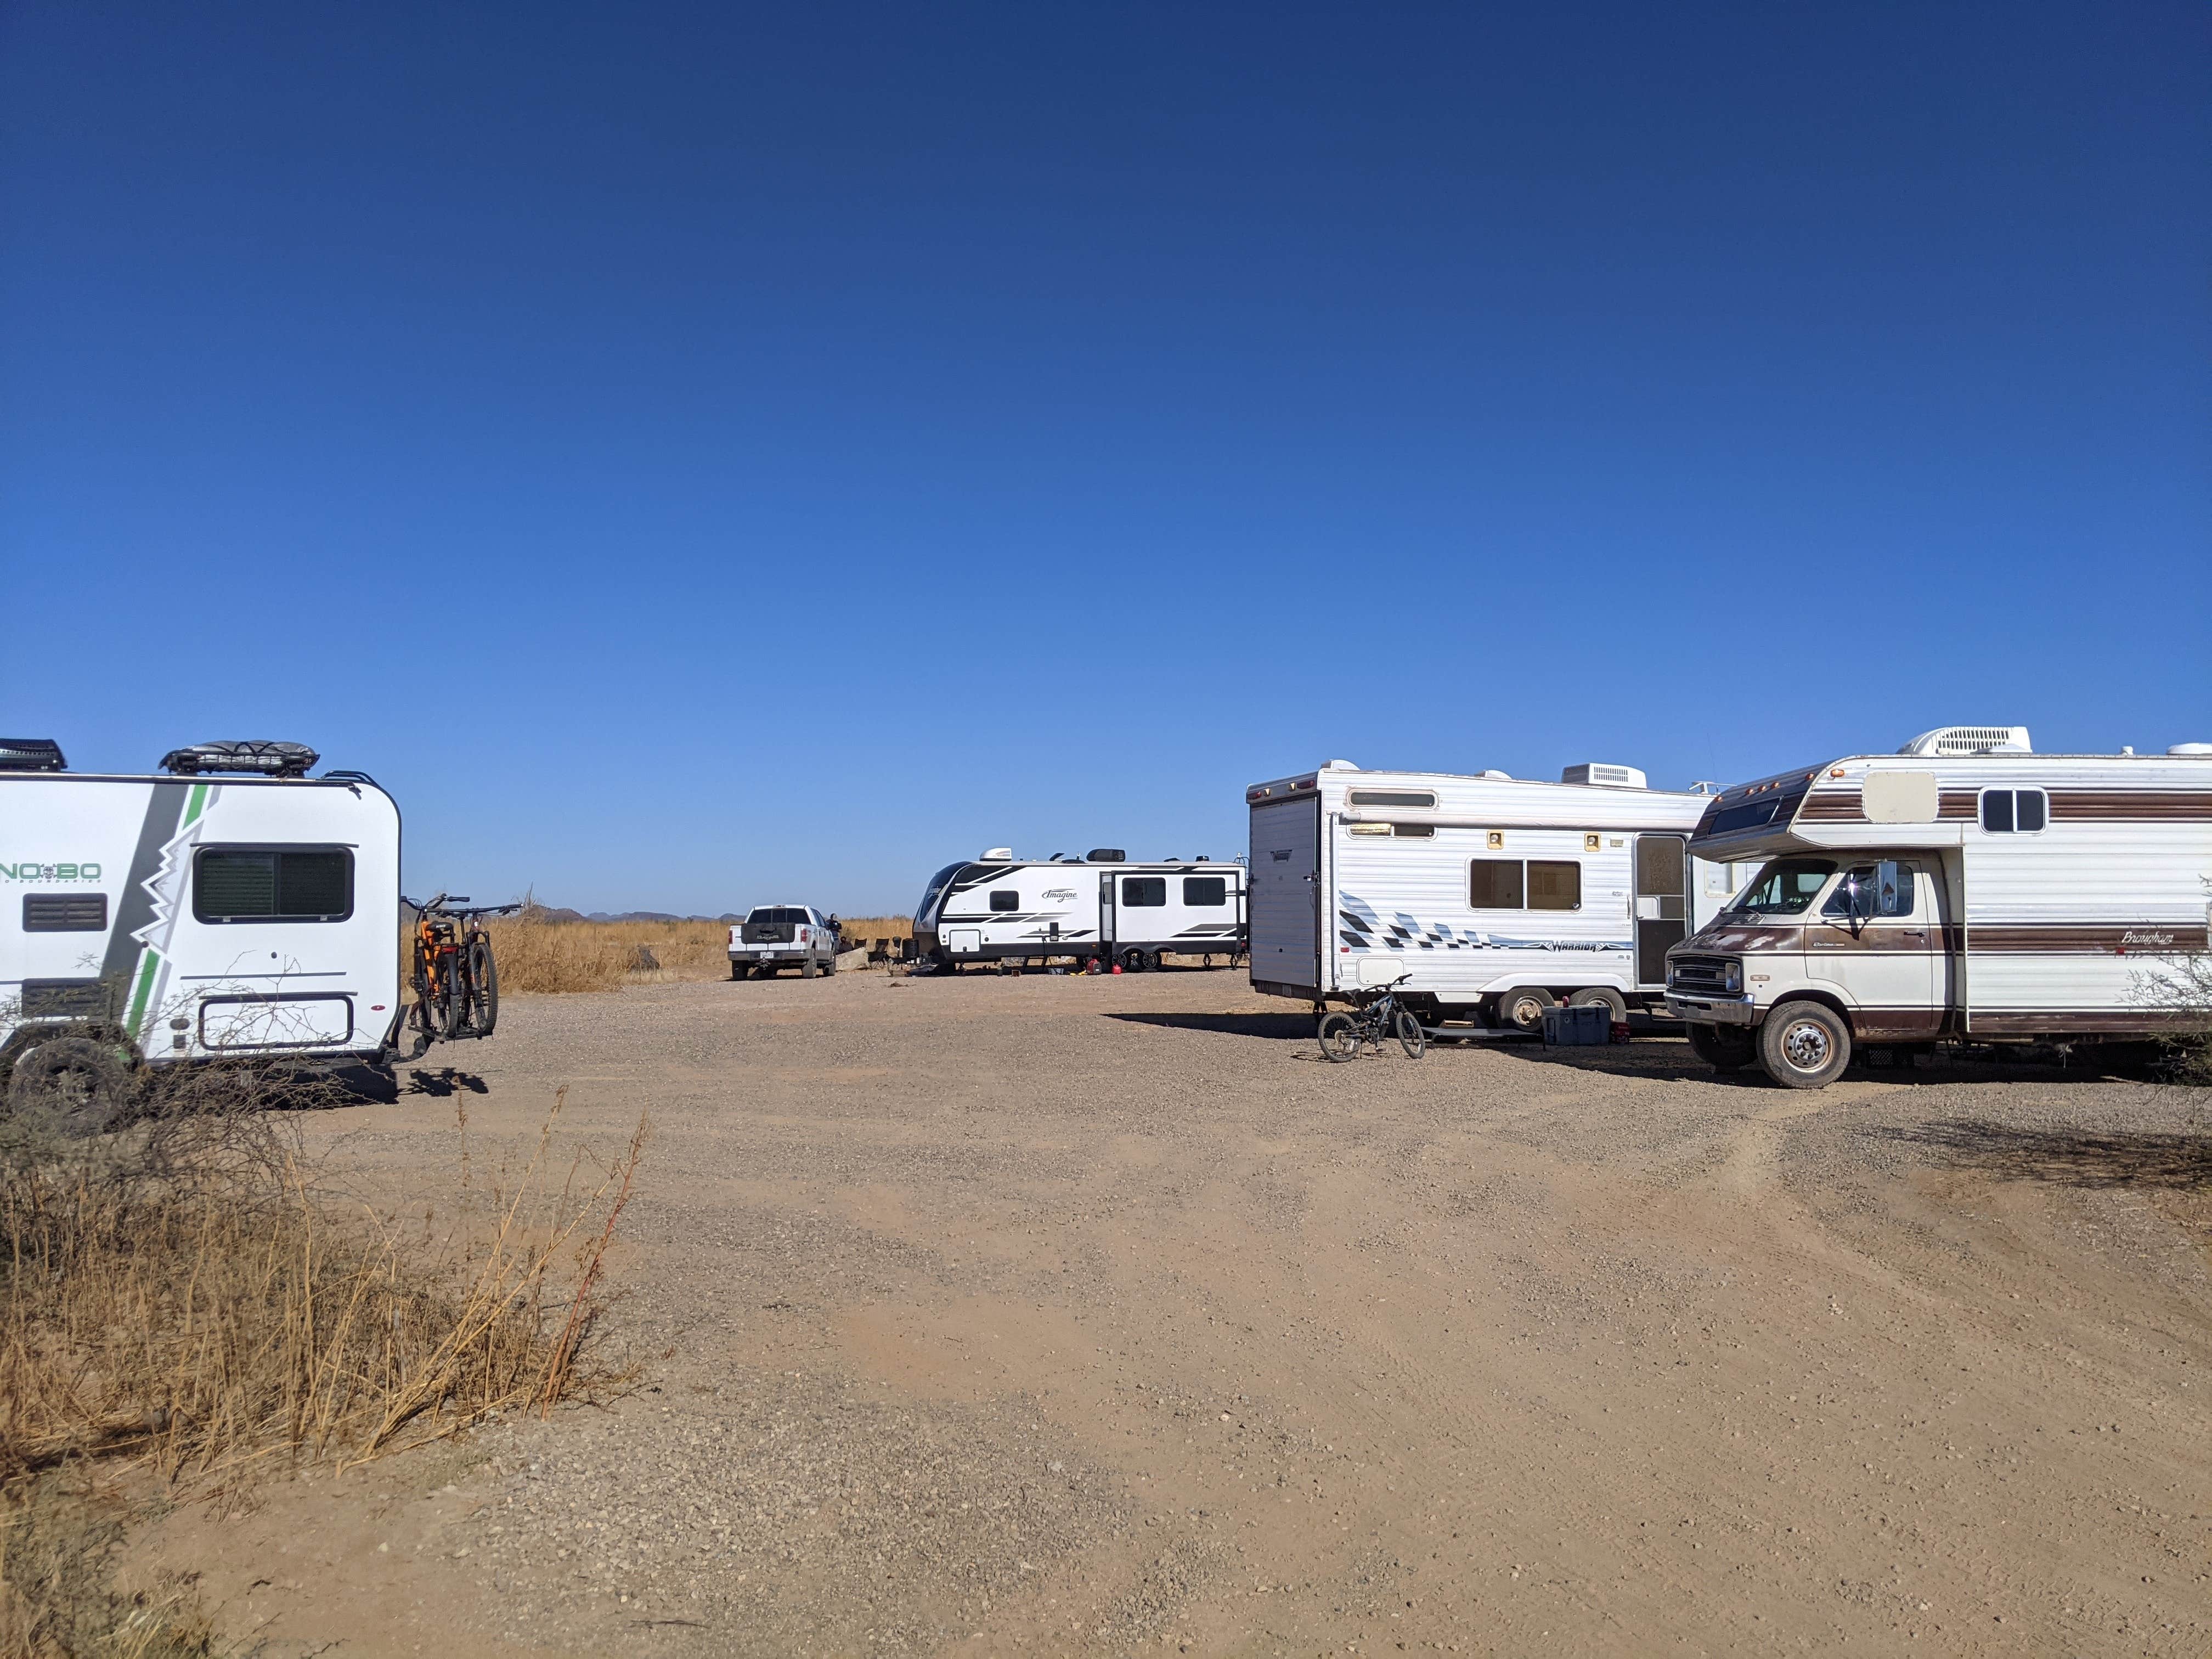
(1100, 1314)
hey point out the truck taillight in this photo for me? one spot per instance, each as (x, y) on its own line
(805, 934)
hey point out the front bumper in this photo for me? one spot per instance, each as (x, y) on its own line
(1712, 1010)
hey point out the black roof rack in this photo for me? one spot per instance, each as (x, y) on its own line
(31, 755)
(266, 758)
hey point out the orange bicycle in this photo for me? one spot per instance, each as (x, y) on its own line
(455, 980)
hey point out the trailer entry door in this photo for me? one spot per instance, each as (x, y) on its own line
(1661, 907)
(1286, 892)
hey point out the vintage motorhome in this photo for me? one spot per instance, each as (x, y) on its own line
(1101, 907)
(232, 905)
(1504, 895)
(1964, 887)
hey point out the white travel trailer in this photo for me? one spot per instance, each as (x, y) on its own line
(1502, 896)
(1100, 907)
(1962, 887)
(231, 906)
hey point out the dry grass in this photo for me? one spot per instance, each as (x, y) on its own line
(535, 955)
(868, 928)
(188, 1296)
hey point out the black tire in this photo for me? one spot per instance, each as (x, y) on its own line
(1804, 1045)
(1411, 1038)
(1132, 961)
(736, 970)
(1723, 1047)
(456, 1013)
(807, 967)
(1521, 1008)
(71, 1086)
(1340, 1036)
(830, 966)
(1592, 996)
(483, 986)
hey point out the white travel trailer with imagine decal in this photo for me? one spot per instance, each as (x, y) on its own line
(1503, 895)
(1965, 888)
(192, 916)
(1100, 907)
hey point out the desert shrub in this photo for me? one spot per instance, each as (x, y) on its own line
(192, 1294)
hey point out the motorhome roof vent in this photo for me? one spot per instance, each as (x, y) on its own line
(1338, 766)
(1971, 740)
(1605, 776)
(269, 759)
(1106, 855)
(31, 755)
(1493, 771)
(998, 855)
(2190, 749)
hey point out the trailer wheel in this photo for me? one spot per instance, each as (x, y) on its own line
(1134, 960)
(1723, 1046)
(69, 1086)
(1596, 996)
(1521, 1008)
(1804, 1045)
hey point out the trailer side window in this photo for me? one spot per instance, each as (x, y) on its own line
(1143, 892)
(1205, 890)
(65, 913)
(2014, 812)
(1554, 885)
(1494, 884)
(1006, 898)
(272, 883)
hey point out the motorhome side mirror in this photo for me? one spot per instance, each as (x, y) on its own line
(1891, 895)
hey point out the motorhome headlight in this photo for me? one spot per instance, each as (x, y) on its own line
(1731, 977)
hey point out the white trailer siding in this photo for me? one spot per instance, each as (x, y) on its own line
(141, 900)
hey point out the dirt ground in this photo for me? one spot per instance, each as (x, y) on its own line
(1070, 1316)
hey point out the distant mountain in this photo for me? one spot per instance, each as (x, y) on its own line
(556, 913)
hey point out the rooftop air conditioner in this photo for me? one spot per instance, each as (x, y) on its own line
(1605, 776)
(1970, 740)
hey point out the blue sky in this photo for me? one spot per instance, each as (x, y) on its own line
(699, 455)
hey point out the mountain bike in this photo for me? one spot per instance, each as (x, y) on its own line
(1343, 1034)
(455, 980)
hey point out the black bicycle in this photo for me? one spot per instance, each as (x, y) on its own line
(455, 980)
(1344, 1033)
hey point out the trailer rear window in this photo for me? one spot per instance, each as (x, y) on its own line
(65, 913)
(1205, 890)
(272, 883)
(1143, 892)
(1392, 798)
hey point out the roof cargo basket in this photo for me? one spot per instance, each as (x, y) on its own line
(1107, 855)
(31, 755)
(269, 760)
(1970, 740)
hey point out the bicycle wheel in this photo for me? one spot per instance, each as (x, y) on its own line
(483, 986)
(1340, 1036)
(454, 981)
(429, 997)
(1411, 1038)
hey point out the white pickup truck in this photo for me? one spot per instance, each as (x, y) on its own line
(775, 936)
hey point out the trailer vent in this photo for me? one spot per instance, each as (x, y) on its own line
(31, 755)
(2190, 749)
(1604, 776)
(1106, 855)
(997, 855)
(1970, 740)
(267, 758)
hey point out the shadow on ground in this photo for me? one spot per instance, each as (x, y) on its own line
(2070, 1157)
(1280, 1028)
(443, 1081)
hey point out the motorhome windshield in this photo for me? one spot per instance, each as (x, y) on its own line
(1784, 888)
(925, 911)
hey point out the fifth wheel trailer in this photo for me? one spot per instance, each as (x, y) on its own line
(1100, 907)
(195, 914)
(1965, 888)
(1504, 895)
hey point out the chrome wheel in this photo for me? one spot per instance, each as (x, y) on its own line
(1806, 1046)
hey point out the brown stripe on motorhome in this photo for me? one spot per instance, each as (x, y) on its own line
(2149, 805)
(2146, 938)
(1832, 806)
(2067, 1021)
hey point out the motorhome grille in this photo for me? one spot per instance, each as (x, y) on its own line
(64, 998)
(1698, 974)
(65, 913)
